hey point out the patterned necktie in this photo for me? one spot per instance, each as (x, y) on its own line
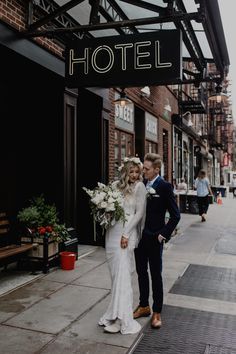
(148, 185)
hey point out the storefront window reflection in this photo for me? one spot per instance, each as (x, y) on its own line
(124, 146)
(151, 147)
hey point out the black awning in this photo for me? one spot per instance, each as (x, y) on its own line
(78, 19)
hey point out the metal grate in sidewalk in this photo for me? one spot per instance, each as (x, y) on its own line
(207, 282)
(188, 331)
(218, 350)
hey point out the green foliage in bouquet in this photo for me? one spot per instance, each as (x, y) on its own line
(106, 203)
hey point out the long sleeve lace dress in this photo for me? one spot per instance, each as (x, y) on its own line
(121, 261)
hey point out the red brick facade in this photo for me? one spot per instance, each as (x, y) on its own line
(14, 13)
(154, 105)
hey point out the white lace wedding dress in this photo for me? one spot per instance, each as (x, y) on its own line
(121, 261)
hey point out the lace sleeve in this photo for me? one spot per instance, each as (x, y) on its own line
(140, 208)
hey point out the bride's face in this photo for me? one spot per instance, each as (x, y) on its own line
(134, 174)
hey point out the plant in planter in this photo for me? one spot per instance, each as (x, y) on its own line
(42, 221)
(44, 230)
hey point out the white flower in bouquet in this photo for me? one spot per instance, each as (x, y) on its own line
(106, 203)
(101, 186)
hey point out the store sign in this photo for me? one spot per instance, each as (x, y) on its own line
(194, 107)
(124, 117)
(152, 58)
(151, 131)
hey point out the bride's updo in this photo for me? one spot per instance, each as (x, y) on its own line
(129, 163)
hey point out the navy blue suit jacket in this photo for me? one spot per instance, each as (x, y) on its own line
(157, 205)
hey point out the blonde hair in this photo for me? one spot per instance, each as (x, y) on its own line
(155, 159)
(123, 183)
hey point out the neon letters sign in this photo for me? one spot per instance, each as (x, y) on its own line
(132, 60)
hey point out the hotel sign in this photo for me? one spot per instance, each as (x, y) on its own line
(152, 58)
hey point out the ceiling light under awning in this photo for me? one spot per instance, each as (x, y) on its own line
(123, 100)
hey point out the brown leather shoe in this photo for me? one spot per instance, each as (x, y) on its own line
(142, 312)
(156, 320)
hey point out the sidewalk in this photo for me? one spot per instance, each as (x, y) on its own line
(58, 312)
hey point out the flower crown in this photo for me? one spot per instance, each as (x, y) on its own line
(135, 160)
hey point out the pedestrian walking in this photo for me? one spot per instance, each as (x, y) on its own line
(202, 185)
(233, 184)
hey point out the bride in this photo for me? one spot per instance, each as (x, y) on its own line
(121, 239)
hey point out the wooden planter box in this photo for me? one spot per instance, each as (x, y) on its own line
(45, 251)
(37, 251)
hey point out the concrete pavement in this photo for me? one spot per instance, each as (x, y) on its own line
(58, 313)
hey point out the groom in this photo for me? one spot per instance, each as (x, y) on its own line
(160, 198)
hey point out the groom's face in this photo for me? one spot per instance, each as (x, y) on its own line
(149, 171)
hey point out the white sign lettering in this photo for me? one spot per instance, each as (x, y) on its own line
(125, 113)
(151, 126)
(139, 57)
(149, 58)
(110, 62)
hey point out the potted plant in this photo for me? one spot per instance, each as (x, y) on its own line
(43, 228)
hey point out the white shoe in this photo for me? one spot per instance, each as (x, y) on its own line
(114, 328)
(105, 323)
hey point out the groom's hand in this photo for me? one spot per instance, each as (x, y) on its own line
(161, 238)
(124, 242)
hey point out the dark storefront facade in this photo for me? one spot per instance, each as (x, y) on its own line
(31, 113)
(47, 133)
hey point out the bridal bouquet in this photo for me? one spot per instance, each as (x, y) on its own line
(106, 203)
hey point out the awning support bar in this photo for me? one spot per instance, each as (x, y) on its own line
(118, 24)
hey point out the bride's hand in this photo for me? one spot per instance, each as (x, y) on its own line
(124, 242)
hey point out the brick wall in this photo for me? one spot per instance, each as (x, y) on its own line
(163, 125)
(111, 135)
(160, 96)
(14, 13)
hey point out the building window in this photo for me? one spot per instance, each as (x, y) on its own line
(165, 153)
(151, 147)
(124, 146)
(177, 155)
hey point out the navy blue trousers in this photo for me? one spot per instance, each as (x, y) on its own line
(149, 255)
